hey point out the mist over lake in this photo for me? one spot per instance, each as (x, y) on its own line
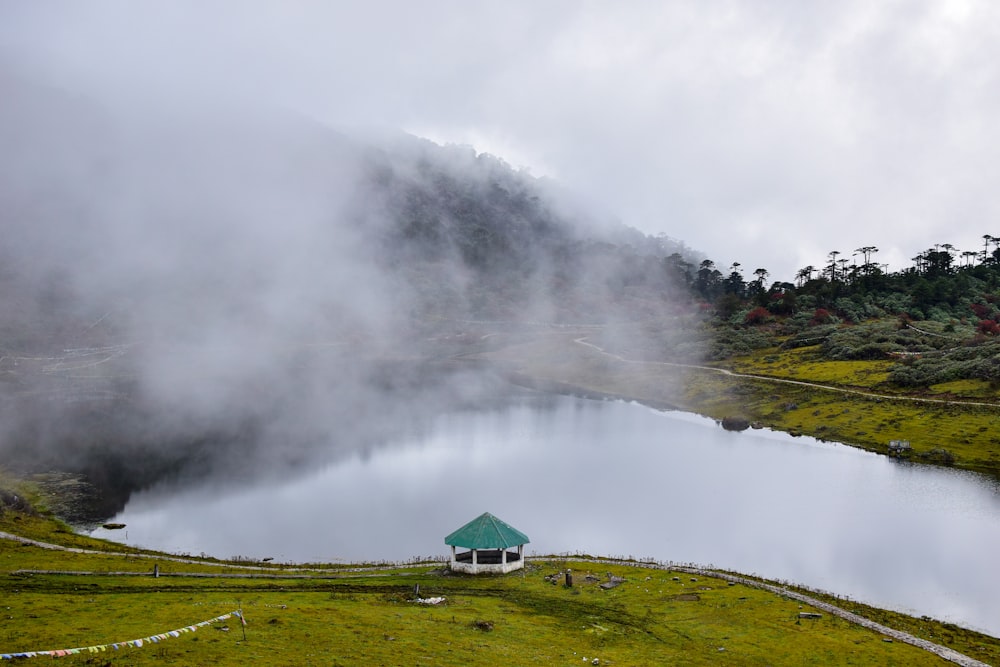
(618, 479)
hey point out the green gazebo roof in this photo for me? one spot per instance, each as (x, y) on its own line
(486, 532)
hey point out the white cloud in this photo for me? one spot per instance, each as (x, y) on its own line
(768, 133)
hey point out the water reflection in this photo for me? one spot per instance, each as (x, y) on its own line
(615, 478)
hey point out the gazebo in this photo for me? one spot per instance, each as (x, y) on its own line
(488, 539)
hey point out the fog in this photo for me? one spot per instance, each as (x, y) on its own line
(204, 285)
(765, 134)
(202, 253)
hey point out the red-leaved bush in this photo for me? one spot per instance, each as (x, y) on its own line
(988, 327)
(758, 315)
(821, 316)
(982, 312)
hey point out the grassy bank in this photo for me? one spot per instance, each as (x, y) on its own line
(948, 433)
(656, 616)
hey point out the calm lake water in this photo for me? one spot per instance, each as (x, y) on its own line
(618, 479)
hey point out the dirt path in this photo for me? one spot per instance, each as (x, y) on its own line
(801, 383)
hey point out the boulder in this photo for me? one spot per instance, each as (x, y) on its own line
(735, 423)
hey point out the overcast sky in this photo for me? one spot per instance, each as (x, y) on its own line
(768, 133)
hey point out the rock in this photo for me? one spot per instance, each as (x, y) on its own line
(735, 423)
(434, 600)
(809, 614)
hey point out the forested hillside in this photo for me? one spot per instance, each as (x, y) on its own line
(938, 320)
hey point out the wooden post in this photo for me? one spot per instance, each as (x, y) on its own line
(156, 570)
(243, 621)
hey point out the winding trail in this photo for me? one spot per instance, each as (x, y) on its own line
(262, 573)
(825, 387)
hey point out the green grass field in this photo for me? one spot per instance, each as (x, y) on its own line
(657, 616)
(337, 615)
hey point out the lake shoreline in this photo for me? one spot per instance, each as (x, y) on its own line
(559, 363)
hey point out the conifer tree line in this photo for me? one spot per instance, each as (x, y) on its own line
(943, 283)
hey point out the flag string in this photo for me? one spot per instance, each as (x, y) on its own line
(132, 643)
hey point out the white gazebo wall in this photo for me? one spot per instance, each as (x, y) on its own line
(476, 567)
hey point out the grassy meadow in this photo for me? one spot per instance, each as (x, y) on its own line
(340, 617)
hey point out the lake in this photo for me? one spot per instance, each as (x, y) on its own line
(614, 478)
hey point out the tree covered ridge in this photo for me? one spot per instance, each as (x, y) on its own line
(938, 320)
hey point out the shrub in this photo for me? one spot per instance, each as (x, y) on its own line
(821, 316)
(729, 342)
(868, 352)
(940, 455)
(988, 327)
(758, 315)
(850, 309)
(982, 311)
(807, 337)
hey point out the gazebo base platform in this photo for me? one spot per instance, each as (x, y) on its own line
(487, 561)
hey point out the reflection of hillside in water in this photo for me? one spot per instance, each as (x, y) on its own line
(119, 442)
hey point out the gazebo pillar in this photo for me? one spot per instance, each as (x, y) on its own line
(474, 559)
(453, 554)
(503, 558)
